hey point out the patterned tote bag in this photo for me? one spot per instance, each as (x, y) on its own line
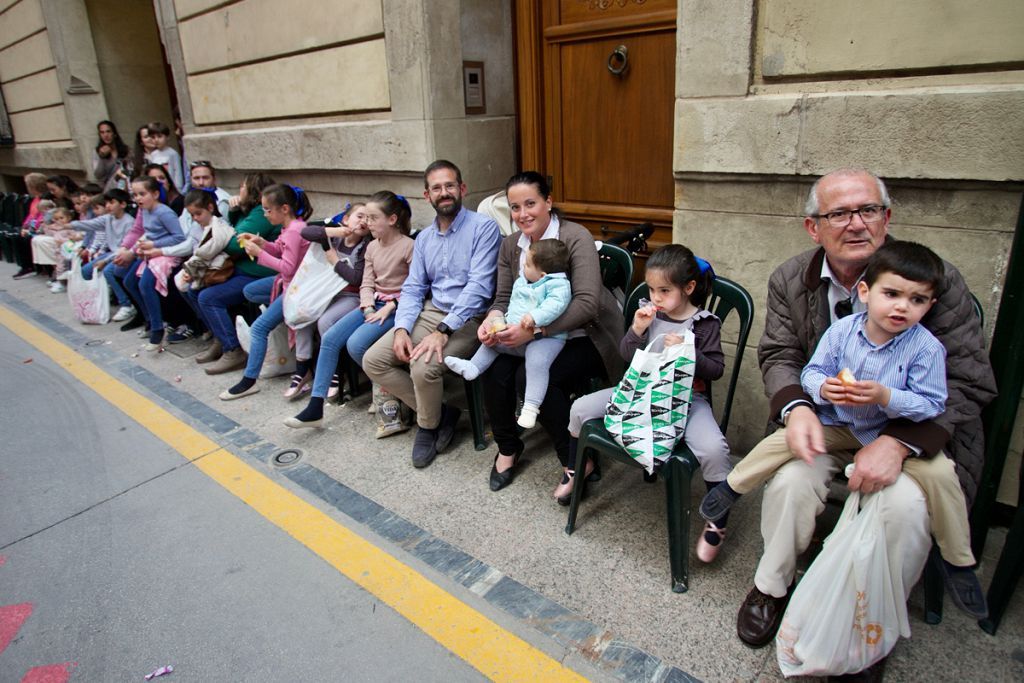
(647, 412)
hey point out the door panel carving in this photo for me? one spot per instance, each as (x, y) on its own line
(596, 86)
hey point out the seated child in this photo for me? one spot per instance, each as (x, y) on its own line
(209, 255)
(539, 296)
(679, 284)
(873, 367)
(46, 246)
(106, 230)
(91, 239)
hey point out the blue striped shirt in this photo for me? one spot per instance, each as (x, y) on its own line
(457, 268)
(912, 365)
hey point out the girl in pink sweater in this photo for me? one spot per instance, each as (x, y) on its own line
(287, 206)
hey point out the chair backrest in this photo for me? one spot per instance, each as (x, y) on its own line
(7, 208)
(616, 268)
(726, 297)
(21, 206)
(496, 206)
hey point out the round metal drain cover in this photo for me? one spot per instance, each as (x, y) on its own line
(286, 457)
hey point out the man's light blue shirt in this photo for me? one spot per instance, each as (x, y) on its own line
(912, 364)
(457, 268)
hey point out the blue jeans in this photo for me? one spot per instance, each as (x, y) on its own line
(259, 332)
(258, 292)
(143, 289)
(115, 274)
(91, 265)
(211, 305)
(352, 332)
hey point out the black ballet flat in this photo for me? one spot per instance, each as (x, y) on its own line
(499, 480)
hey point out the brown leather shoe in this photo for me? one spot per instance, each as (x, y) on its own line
(872, 674)
(210, 353)
(759, 617)
(235, 359)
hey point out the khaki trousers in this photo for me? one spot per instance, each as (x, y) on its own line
(796, 495)
(420, 385)
(947, 507)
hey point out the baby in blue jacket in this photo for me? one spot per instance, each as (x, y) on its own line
(539, 296)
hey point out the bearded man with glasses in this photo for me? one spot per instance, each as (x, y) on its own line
(847, 216)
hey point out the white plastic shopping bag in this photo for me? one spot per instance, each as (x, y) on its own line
(647, 412)
(850, 608)
(311, 290)
(280, 358)
(90, 299)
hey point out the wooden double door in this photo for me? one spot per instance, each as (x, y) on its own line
(596, 91)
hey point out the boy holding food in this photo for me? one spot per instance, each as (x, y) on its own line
(902, 374)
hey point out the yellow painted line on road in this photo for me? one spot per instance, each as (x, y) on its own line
(495, 652)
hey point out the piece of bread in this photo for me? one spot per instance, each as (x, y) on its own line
(846, 377)
(498, 326)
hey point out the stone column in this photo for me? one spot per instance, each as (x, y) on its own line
(78, 74)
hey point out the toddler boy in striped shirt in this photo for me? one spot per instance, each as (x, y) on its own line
(872, 367)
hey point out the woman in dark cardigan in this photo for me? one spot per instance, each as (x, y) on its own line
(593, 321)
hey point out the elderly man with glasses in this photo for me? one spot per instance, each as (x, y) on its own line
(847, 216)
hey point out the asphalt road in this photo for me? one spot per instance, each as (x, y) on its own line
(118, 557)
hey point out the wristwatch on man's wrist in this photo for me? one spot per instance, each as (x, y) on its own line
(787, 410)
(444, 329)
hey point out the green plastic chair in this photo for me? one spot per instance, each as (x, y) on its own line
(678, 470)
(934, 586)
(616, 268)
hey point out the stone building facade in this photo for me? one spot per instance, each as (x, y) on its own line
(349, 96)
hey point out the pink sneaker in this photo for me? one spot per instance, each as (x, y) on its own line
(705, 551)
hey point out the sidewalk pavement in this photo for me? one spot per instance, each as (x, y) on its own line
(612, 572)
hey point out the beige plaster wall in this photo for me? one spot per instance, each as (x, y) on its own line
(32, 93)
(771, 94)
(372, 92)
(254, 30)
(799, 38)
(28, 75)
(300, 85)
(20, 19)
(65, 65)
(257, 60)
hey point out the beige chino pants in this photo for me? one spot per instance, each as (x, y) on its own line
(420, 385)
